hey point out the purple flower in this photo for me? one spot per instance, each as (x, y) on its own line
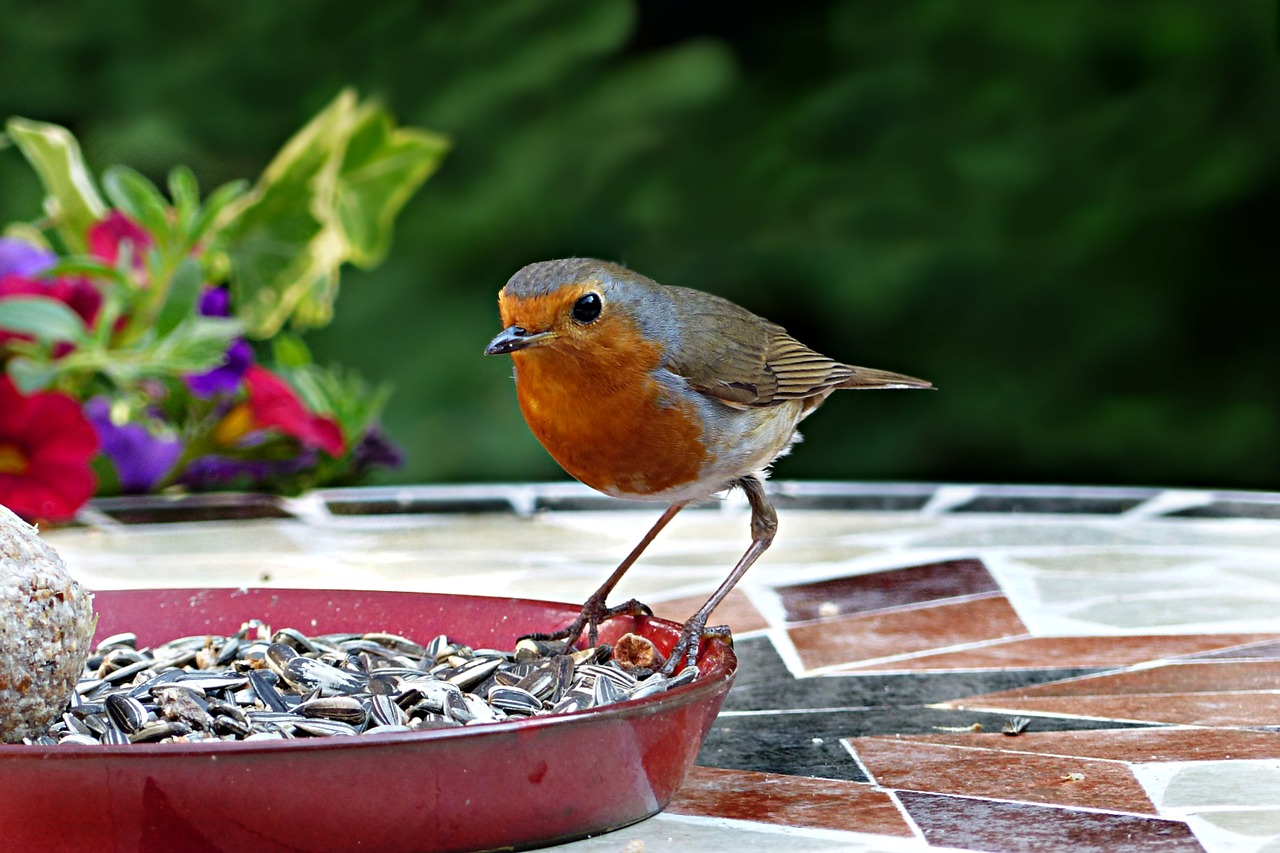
(18, 257)
(225, 378)
(375, 449)
(222, 472)
(215, 302)
(141, 459)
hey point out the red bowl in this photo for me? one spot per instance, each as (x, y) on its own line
(515, 784)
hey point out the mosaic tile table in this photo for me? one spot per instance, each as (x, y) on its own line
(886, 641)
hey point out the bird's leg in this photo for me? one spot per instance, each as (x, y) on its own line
(764, 524)
(593, 611)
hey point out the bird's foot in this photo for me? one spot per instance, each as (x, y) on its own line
(593, 614)
(685, 651)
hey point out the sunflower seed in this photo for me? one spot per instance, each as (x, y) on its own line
(472, 672)
(126, 712)
(651, 686)
(606, 691)
(683, 677)
(514, 700)
(344, 709)
(278, 656)
(398, 644)
(541, 682)
(126, 639)
(112, 736)
(307, 674)
(159, 730)
(385, 712)
(324, 728)
(266, 692)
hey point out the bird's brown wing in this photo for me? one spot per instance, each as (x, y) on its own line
(729, 353)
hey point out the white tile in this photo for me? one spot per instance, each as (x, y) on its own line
(1232, 806)
(680, 834)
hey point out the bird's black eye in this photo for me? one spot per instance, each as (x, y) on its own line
(587, 308)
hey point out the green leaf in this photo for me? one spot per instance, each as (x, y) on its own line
(72, 200)
(184, 189)
(383, 167)
(180, 302)
(330, 196)
(289, 351)
(218, 200)
(29, 375)
(280, 245)
(42, 318)
(138, 197)
(185, 192)
(198, 344)
(87, 266)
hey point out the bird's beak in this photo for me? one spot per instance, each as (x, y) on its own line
(514, 338)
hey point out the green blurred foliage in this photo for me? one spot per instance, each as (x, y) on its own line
(1062, 214)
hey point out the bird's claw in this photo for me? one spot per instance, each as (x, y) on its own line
(685, 651)
(589, 619)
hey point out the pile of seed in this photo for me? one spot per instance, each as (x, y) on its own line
(259, 685)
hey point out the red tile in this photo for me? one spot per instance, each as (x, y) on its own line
(1026, 828)
(788, 801)
(850, 639)
(1172, 678)
(1140, 746)
(736, 611)
(1188, 709)
(916, 765)
(882, 590)
(1059, 652)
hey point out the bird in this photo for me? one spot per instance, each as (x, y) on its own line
(653, 392)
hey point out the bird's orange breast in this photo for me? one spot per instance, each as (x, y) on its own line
(599, 411)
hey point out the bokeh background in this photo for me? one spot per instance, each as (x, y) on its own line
(1065, 215)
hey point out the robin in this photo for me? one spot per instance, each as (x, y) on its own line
(650, 392)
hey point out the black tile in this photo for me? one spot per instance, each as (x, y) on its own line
(889, 502)
(764, 683)
(596, 502)
(791, 744)
(216, 506)
(1231, 509)
(417, 504)
(1066, 504)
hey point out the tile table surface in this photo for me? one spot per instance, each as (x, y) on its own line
(889, 643)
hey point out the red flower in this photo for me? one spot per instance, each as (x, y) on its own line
(106, 235)
(272, 404)
(45, 448)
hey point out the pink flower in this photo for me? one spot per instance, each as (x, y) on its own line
(107, 234)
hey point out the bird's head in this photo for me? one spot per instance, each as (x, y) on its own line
(577, 304)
